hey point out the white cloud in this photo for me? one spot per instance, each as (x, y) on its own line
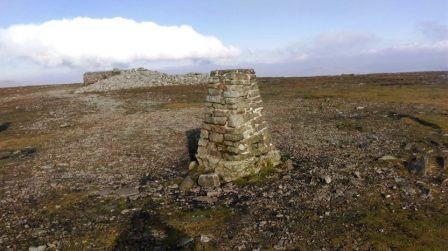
(83, 44)
(88, 42)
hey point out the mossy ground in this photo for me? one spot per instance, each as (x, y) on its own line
(264, 175)
(197, 221)
(391, 226)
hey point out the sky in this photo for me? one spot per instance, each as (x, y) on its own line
(56, 41)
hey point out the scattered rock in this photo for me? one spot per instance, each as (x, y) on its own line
(64, 125)
(387, 158)
(289, 165)
(229, 188)
(325, 179)
(25, 152)
(213, 194)
(204, 238)
(62, 165)
(38, 248)
(423, 187)
(208, 180)
(418, 165)
(125, 211)
(398, 179)
(127, 191)
(351, 193)
(204, 243)
(47, 166)
(54, 245)
(184, 242)
(409, 190)
(386, 196)
(206, 199)
(186, 184)
(174, 186)
(357, 174)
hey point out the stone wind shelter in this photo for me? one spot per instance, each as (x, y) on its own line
(234, 140)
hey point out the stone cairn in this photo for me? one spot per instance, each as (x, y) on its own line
(234, 139)
(117, 79)
(93, 77)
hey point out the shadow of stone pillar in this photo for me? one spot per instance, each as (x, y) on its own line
(234, 140)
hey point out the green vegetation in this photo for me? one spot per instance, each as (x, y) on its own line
(258, 178)
(396, 228)
(12, 139)
(199, 221)
(425, 95)
(349, 125)
(440, 120)
(61, 205)
(14, 143)
(385, 89)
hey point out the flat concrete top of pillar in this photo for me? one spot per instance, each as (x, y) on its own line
(222, 72)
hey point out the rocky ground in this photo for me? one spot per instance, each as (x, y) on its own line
(365, 168)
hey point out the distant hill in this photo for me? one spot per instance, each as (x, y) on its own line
(9, 83)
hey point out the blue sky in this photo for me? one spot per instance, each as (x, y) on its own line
(274, 37)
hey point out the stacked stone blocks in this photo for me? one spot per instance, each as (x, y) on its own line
(234, 139)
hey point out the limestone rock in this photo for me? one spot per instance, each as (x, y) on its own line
(38, 248)
(186, 184)
(387, 158)
(208, 180)
(204, 238)
(357, 174)
(325, 179)
(206, 199)
(192, 165)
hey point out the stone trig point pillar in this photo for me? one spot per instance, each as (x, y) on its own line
(234, 140)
